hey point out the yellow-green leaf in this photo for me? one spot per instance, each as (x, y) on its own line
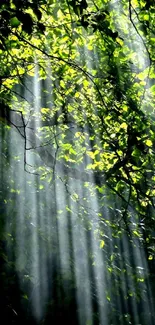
(150, 258)
(102, 243)
(148, 143)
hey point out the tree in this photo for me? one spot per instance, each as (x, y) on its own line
(89, 120)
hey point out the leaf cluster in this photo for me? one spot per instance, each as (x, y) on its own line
(23, 14)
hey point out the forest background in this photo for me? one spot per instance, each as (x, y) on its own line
(77, 125)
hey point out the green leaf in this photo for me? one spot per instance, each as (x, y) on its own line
(14, 22)
(152, 89)
(135, 232)
(108, 297)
